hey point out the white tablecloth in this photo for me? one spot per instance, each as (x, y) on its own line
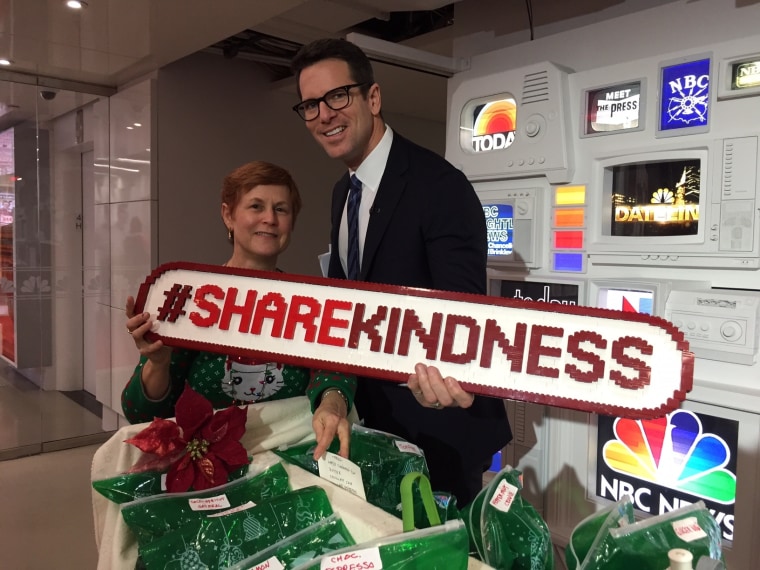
(268, 426)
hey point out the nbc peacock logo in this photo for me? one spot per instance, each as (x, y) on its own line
(673, 452)
(494, 125)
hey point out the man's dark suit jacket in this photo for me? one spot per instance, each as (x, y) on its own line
(426, 229)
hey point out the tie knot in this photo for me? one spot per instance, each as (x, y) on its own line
(356, 184)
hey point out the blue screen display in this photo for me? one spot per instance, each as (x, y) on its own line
(685, 95)
(500, 225)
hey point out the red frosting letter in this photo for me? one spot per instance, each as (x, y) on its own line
(514, 351)
(230, 308)
(644, 372)
(449, 334)
(271, 306)
(597, 364)
(537, 350)
(306, 319)
(429, 340)
(329, 322)
(369, 327)
(205, 305)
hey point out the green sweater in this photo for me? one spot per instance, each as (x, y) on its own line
(228, 380)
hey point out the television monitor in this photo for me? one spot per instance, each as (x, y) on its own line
(701, 452)
(739, 76)
(684, 96)
(538, 289)
(670, 208)
(511, 124)
(648, 296)
(613, 108)
(513, 223)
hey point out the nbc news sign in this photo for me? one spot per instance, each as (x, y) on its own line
(670, 462)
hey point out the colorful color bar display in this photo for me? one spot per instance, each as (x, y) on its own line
(568, 231)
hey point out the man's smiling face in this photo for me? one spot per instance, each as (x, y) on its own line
(348, 134)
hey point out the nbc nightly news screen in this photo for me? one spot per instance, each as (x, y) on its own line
(500, 227)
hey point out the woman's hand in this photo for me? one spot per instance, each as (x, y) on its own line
(433, 391)
(137, 326)
(155, 372)
(329, 420)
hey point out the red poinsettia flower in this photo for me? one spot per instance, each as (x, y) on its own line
(200, 449)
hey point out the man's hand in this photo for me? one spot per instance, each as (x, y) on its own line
(434, 391)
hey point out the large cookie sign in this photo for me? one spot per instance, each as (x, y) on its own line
(609, 362)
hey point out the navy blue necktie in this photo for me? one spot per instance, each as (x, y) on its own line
(354, 199)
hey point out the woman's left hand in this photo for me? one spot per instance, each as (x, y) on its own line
(330, 420)
(433, 391)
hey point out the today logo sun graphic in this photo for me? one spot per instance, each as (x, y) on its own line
(673, 452)
(496, 117)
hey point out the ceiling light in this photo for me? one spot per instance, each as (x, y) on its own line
(4, 61)
(76, 4)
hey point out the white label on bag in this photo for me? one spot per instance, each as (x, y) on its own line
(163, 481)
(503, 496)
(243, 507)
(209, 503)
(408, 447)
(342, 472)
(365, 559)
(688, 529)
(269, 564)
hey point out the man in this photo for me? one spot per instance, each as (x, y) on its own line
(419, 224)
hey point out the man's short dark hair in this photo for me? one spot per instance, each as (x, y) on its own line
(334, 48)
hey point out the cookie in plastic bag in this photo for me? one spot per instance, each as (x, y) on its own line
(505, 530)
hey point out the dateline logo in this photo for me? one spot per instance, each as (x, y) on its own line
(673, 452)
(494, 127)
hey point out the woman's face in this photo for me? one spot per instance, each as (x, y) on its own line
(261, 224)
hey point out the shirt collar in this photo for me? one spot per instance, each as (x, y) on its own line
(371, 170)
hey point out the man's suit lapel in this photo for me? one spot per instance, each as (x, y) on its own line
(389, 193)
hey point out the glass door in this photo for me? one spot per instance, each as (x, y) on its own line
(49, 142)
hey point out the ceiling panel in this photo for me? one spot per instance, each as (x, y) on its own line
(115, 42)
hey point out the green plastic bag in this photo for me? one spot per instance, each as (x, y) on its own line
(445, 505)
(223, 540)
(152, 517)
(421, 507)
(644, 545)
(506, 532)
(383, 459)
(589, 533)
(132, 486)
(441, 547)
(320, 538)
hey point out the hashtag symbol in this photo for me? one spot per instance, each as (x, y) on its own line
(173, 307)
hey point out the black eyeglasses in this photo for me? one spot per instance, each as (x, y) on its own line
(336, 99)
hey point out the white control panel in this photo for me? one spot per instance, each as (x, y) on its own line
(720, 324)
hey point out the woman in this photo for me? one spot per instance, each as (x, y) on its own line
(260, 204)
